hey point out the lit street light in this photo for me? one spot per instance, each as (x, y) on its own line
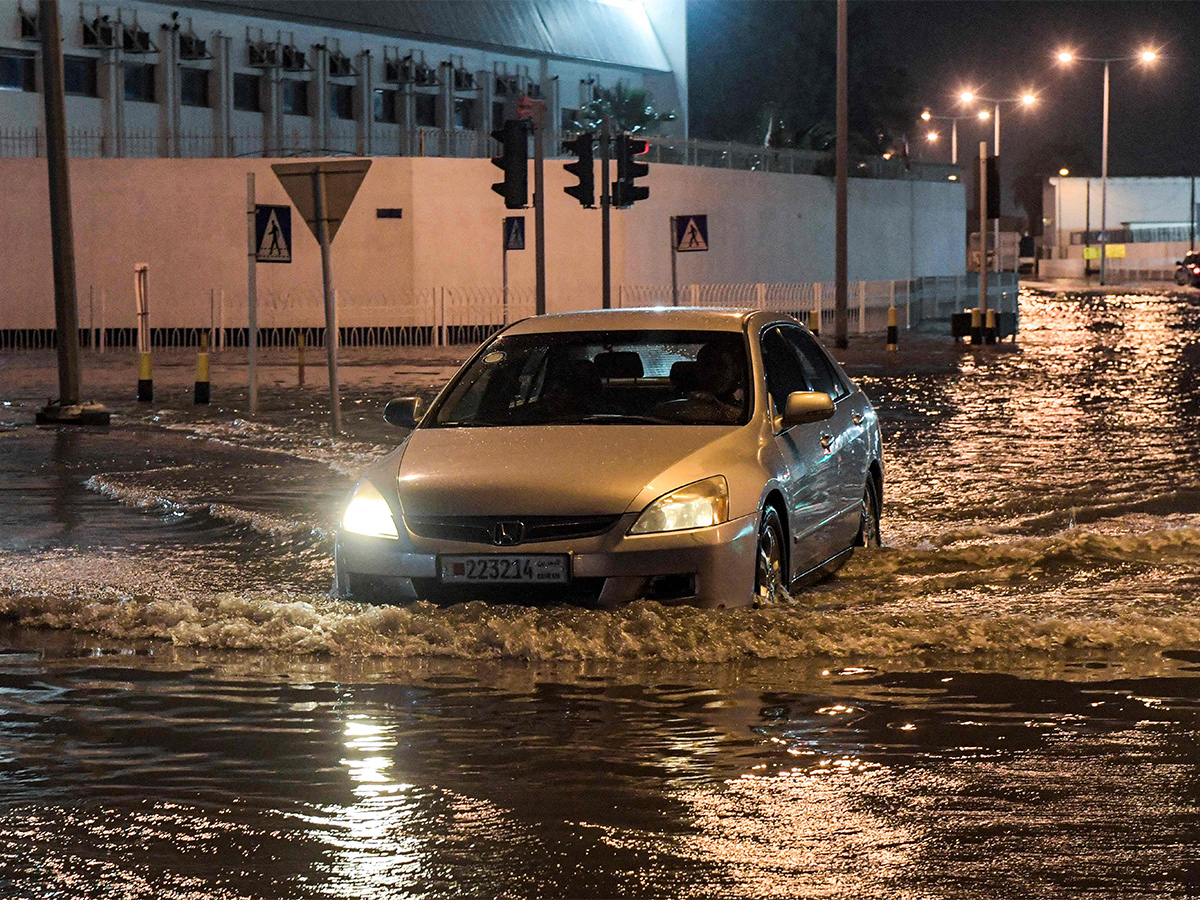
(932, 136)
(1066, 56)
(1025, 98)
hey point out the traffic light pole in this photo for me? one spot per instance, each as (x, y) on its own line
(539, 206)
(605, 217)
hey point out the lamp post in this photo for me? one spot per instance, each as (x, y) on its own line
(1068, 56)
(928, 116)
(1026, 98)
(1058, 229)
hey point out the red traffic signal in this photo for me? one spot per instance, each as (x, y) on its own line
(625, 191)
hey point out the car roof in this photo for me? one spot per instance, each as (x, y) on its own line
(659, 317)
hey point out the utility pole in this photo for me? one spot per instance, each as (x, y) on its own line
(605, 217)
(841, 325)
(66, 310)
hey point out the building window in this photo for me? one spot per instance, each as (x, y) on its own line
(385, 106)
(139, 81)
(569, 118)
(18, 71)
(464, 112)
(193, 87)
(426, 105)
(497, 113)
(295, 97)
(245, 92)
(341, 101)
(79, 76)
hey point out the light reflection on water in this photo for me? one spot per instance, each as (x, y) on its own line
(1012, 709)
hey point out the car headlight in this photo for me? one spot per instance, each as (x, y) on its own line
(696, 505)
(369, 514)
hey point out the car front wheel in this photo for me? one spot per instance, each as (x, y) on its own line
(770, 573)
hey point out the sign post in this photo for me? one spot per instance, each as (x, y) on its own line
(251, 293)
(322, 193)
(689, 234)
(514, 239)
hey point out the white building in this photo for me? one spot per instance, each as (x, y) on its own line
(1151, 223)
(277, 77)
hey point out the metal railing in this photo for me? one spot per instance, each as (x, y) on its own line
(456, 315)
(341, 139)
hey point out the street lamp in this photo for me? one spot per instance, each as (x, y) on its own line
(932, 136)
(1147, 55)
(1025, 98)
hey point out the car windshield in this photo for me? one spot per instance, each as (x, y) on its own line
(603, 378)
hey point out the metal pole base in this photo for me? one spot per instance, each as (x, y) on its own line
(73, 414)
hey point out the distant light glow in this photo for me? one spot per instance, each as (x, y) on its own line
(926, 115)
(1064, 172)
(1149, 56)
(1028, 99)
(966, 96)
(932, 137)
(984, 114)
(1066, 56)
(888, 155)
(952, 177)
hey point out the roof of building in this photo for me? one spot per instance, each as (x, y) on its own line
(617, 32)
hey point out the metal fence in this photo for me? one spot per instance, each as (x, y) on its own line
(468, 315)
(395, 140)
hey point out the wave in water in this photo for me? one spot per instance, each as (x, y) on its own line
(137, 496)
(885, 605)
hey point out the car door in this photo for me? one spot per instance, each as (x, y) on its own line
(847, 431)
(810, 480)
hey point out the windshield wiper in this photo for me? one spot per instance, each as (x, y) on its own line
(614, 418)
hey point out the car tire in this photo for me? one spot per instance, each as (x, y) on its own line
(869, 535)
(1181, 277)
(770, 566)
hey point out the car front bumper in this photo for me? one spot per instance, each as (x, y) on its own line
(709, 567)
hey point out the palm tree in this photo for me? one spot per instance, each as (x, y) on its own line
(628, 109)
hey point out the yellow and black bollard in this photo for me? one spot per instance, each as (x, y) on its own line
(893, 330)
(814, 321)
(203, 393)
(989, 331)
(977, 326)
(300, 357)
(145, 390)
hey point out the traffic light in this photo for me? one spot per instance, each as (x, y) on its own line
(625, 192)
(514, 160)
(585, 191)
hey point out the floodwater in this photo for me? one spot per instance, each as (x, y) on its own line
(1002, 702)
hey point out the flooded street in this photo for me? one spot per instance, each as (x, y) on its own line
(1004, 701)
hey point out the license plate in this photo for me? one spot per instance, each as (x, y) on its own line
(504, 569)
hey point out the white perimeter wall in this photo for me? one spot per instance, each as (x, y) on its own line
(186, 219)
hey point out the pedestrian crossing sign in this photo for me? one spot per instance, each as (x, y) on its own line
(691, 233)
(273, 234)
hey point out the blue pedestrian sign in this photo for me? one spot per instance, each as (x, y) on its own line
(691, 233)
(273, 234)
(514, 232)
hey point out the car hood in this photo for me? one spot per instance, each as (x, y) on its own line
(552, 470)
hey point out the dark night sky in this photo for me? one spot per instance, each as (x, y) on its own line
(1002, 48)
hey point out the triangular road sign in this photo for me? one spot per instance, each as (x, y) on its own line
(691, 233)
(342, 179)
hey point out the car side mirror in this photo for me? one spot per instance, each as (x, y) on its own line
(402, 412)
(807, 406)
(1179, 262)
